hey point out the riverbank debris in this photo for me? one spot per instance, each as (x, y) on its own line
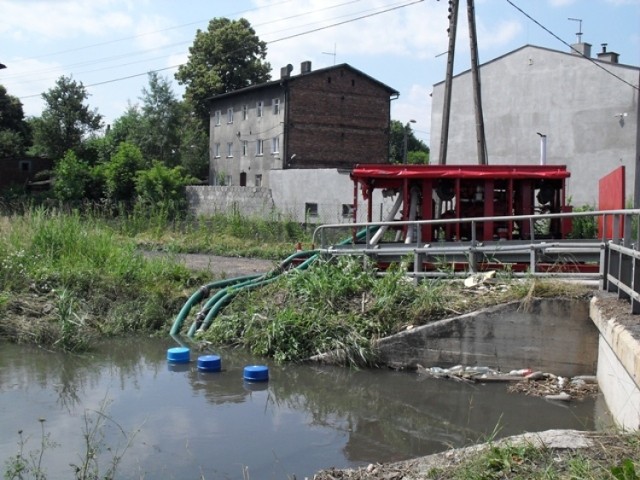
(534, 383)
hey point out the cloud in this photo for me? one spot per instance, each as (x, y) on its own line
(41, 21)
(415, 105)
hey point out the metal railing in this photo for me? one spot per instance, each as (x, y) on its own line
(616, 256)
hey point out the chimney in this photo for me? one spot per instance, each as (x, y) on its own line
(611, 57)
(305, 67)
(285, 72)
(581, 48)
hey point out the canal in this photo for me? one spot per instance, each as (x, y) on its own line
(185, 424)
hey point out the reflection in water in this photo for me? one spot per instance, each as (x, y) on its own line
(216, 425)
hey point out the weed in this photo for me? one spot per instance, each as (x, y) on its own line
(29, 464)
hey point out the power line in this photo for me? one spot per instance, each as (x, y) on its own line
(288, 37)
(597, 64)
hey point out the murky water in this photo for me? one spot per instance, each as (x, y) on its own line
(215, 426)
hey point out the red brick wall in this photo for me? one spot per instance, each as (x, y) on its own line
(336, 119)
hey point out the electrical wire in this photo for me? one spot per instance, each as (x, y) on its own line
(288, 37)
(597, 64)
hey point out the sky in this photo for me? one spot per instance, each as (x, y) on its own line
(111, 45)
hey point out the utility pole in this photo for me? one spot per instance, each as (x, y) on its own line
(477, 95)
(446, 111)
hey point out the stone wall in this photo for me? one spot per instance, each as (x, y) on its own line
(250, 201)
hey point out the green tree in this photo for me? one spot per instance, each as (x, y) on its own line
(71, 178)
(194, 144)
(161, 116)
(414, 145)
(120, 173)
(226, 57)
(14, 130)
(66, 121)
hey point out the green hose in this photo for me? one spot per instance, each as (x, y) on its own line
(231, 287)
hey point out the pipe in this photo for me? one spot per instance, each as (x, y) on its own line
(413, 208)
(381, 231)
(199, 295)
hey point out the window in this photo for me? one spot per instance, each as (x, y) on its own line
(217, 115)
(229, 149)
(259, 108)
(216, 150)
(311, 209)
(25, 166)
(245, 147)
(276, 106)
(245, 111)
(275, 145)
(259, 147)
(347, 210)
(230, 115)
(258, 181)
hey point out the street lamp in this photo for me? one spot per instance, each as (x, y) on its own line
(406, 132)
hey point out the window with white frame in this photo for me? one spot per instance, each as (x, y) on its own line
(311, 209)
(229, 149)
(245, 148)
(259, 108)
(217, 115)
(245, 111)
(276, 106)
(259, 147)
(275, 145)
(230, 115)
(216, 150)
(258, 181)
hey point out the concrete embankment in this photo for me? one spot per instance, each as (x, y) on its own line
(567, 337)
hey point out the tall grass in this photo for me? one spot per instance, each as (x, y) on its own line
(66, 276)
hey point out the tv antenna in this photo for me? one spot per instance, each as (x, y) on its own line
(579, 34)
(333, 54)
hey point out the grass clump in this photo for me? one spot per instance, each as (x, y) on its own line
(342, 305)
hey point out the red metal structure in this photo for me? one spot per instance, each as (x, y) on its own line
(464, 191)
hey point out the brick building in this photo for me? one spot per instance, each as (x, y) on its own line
(22, 171)
(331, 118)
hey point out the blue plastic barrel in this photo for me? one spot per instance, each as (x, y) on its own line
(209, 363)
(178, 355)
(256, 373)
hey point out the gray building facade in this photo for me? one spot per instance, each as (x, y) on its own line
(546, 105)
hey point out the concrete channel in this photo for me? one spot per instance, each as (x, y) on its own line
(563, 336)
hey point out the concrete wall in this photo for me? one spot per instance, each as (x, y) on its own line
(618, 358)
(564, 96)
(290, 192)
(555, 336)
(250, 201)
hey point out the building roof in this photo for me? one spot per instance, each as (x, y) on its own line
(603, 63)
(294, 78)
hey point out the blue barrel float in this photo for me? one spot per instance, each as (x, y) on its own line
(256, 373)
(178, 355)
(209, 363)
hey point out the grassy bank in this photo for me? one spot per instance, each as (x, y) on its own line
(66, 278)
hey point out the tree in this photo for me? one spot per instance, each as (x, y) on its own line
(66, 121)
(120, 173)
(194, 144)
(160, 121)
(396, 144)
(72, 176)
(14, 131)
(161, 187)
(226, 57)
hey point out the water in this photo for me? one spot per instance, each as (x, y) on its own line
(215, 426)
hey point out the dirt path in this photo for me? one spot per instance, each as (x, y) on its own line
(221, 266)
